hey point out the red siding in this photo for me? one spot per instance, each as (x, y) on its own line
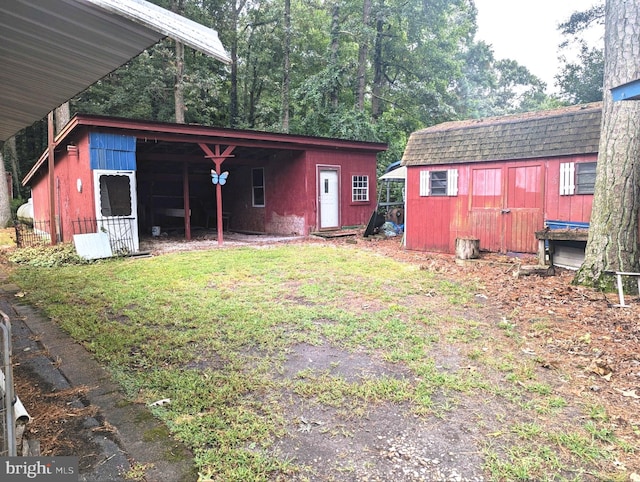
(70, 204)
(500, 203)
(291, 192)
(576, 207)
(350, 164)
(286, 193)
(290, 174)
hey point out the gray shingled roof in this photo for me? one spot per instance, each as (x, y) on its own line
(560, 132)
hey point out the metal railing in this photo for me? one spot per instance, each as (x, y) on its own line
(34, 234)
(7, 390)
(119, 229)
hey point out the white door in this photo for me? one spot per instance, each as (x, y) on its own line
(117, 208)
(329, 199)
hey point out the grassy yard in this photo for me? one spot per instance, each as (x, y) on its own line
(215, 332)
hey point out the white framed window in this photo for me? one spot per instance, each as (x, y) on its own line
(257, 186)
(577, 178)
(439, 183)
(359, 188)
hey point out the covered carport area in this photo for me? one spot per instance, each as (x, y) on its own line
(271, 181)
(51, 50)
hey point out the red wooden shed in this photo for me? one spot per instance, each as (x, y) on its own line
(500, 179)
(128, 176)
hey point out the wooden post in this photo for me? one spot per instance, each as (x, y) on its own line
(467, 248)
(218, 158)
(52, 189)
(186, 205)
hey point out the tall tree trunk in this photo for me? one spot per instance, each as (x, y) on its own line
(5, 201)
(376, 100)
(233, 93)
(16, 173)
(286, 78)
(61, 116)
(363, 51)
(335, 45)
(613, 229)
(177, 6)
(178, 92)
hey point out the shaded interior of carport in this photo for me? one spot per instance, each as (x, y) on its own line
(175, 177)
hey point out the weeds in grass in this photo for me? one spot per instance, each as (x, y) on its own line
(47, 256)
(137, 472)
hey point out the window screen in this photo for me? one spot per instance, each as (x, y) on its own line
(115, 195)
(585, 177)
(438, 183)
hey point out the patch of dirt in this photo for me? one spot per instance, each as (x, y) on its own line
(351, 367)
(387, 442)
(373, 442)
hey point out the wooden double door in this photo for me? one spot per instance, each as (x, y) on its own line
(507, 207)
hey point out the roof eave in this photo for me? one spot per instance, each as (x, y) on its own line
(170, 24)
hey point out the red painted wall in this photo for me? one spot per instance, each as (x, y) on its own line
(576, 207)
(350, 164)
(291, 192)
(500, 203)
(286, 195)
(70, 204)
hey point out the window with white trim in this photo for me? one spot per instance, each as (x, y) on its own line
(359, 188)
(577, 178)
(257, 186)
(439, 183)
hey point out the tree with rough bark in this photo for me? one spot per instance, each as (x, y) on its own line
(363, 52)
(612, 244)
(13, 164)
(177, 6)
(5, 201)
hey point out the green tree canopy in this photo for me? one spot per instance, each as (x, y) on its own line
(372, 70)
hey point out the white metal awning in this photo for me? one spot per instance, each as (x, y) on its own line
(51, 50)
(399, 174)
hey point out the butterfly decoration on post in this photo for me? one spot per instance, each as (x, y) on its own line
(219, 178)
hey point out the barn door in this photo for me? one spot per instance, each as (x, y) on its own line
(523, 210)
(486, 208)
(116, 208)
(329, 199)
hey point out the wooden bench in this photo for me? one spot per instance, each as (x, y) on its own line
(619, 275)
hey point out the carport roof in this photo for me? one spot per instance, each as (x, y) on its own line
(158, 139)
(51, 50)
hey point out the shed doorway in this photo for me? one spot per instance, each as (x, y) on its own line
(507, 207)
(329, 199)
(116, 209)
(523, 212)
